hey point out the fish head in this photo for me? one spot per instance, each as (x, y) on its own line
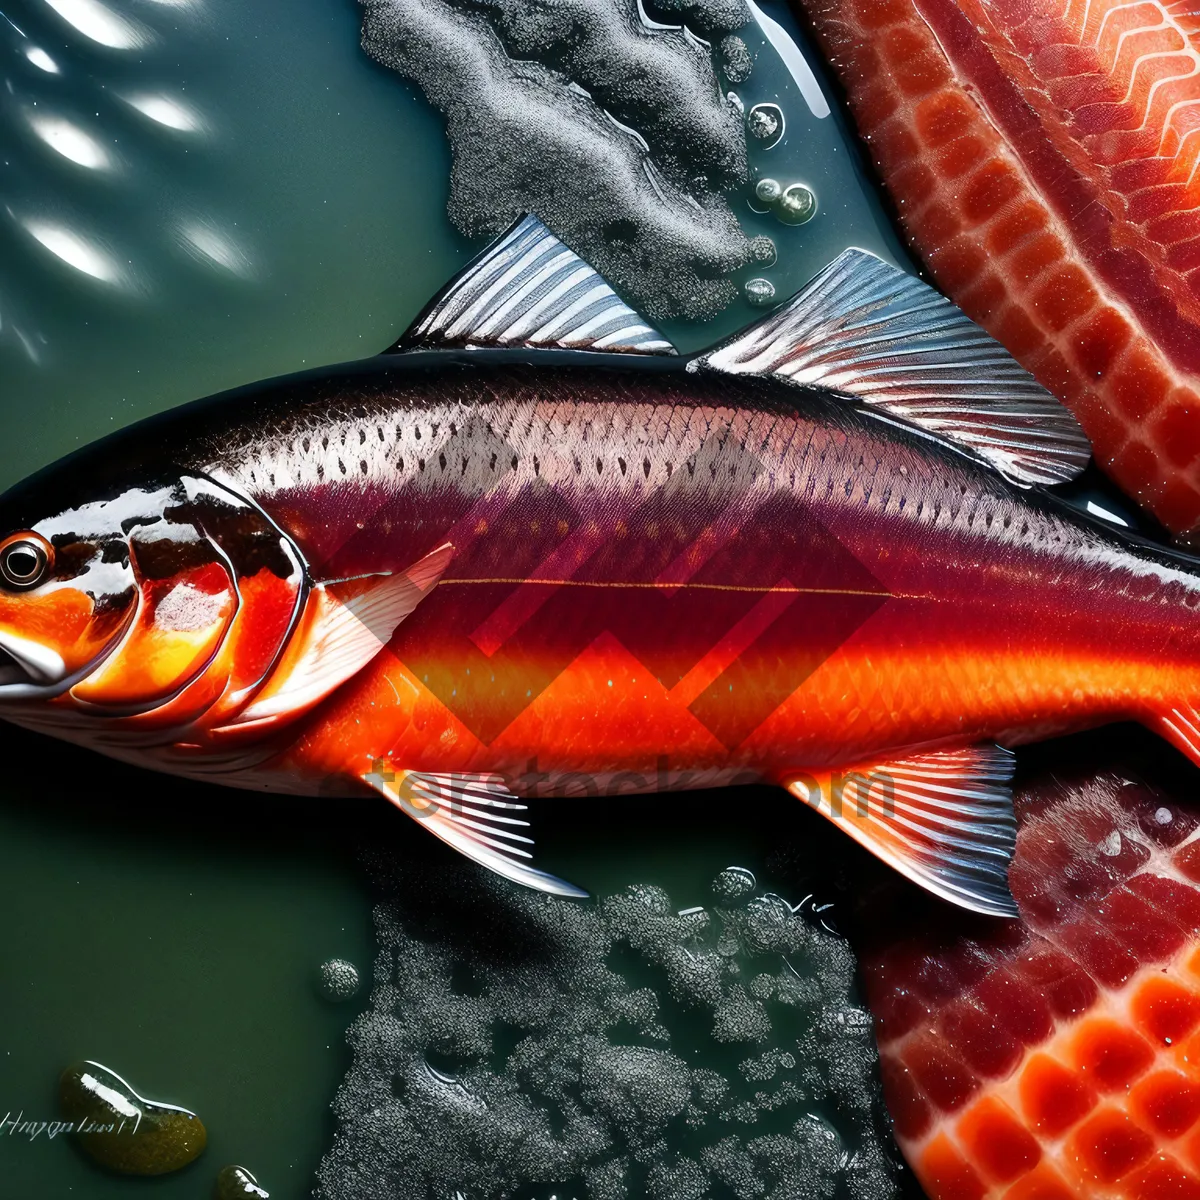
(127, 597)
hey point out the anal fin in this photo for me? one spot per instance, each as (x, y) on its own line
(477, 815)
(943, 819)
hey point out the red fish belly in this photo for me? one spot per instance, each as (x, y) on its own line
(608, 718)
(1044, 156)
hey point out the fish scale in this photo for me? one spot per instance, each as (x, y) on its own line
(1043, 158)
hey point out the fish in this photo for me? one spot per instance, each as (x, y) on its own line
(533, 552)
(1058, 1057)
(1044, 161)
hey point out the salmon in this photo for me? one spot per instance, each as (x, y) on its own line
(1044, 160)
(532, 551)
(1057, 1058)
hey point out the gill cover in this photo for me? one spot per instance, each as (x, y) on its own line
(218, 589)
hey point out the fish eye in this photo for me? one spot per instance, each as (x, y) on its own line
(25, 559)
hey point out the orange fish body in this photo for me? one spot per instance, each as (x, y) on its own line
(912, 613)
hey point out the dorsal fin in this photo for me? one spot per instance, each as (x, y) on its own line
(528, 289)
(869, 329)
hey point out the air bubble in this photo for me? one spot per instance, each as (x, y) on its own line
(1111, 846)
(759, 292)
(765, 124)
(1163, 816)
(762, 250)
(796, 205)
(338, 979)
(735, 59)
(768, 191)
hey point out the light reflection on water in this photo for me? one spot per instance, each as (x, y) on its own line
(52, 206)
(75, 250)
(235, 197)
(167, 111)
(101, 24)
(210, 245)
(41, 59)
(70, 141)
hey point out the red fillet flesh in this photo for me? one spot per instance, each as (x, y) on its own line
(1044, 156)
(1057, 1058)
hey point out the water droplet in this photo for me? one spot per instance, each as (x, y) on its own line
(796, 205)
(339, 979)
(768, 190)
(766, 124)
(121, 1129)
(762, 250)
(760, 292)
(236, 1183)
(1163, 816)
(733, 885)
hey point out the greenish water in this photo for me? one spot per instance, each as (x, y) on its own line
(155, 927)
(169, 930)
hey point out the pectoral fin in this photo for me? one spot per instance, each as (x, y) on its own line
(344, 625)
(477, 815)
(944, 819)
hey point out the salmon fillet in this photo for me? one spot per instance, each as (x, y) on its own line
(1044, 157)
(1058, 1057)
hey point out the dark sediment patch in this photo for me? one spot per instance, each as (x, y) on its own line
(519, 1045)
(711, 18)
(613, 132)
(657, 81)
